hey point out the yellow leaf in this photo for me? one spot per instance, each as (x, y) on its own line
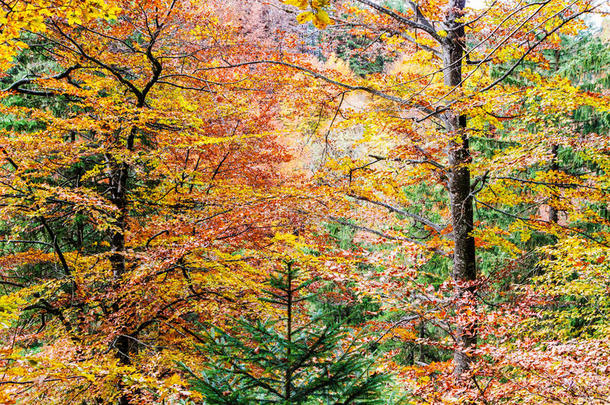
(323, 16)
(304, 17)
(322, 19)
(302, 4)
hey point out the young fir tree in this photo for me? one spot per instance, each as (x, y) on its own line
(292, 358)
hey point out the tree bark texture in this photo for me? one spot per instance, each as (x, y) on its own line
(464, 272)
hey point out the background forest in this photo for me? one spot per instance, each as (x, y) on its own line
(304, 202)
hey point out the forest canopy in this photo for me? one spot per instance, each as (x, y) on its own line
(304, 202)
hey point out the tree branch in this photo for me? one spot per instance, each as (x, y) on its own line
(56, 247)
(327, 79)
(16, 86)
(437, 227)
(421, 22)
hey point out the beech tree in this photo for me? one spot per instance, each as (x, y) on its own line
(139, 206)
(462, 76)
(145, 192)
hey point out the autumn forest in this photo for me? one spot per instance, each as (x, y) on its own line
(331, 202)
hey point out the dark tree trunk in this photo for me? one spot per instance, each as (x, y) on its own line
(118, 195)
(464, 256)
(124, 344)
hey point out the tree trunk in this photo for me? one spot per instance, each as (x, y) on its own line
(124, 343)
(464, 256)
(553, 213)
(118, 195)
